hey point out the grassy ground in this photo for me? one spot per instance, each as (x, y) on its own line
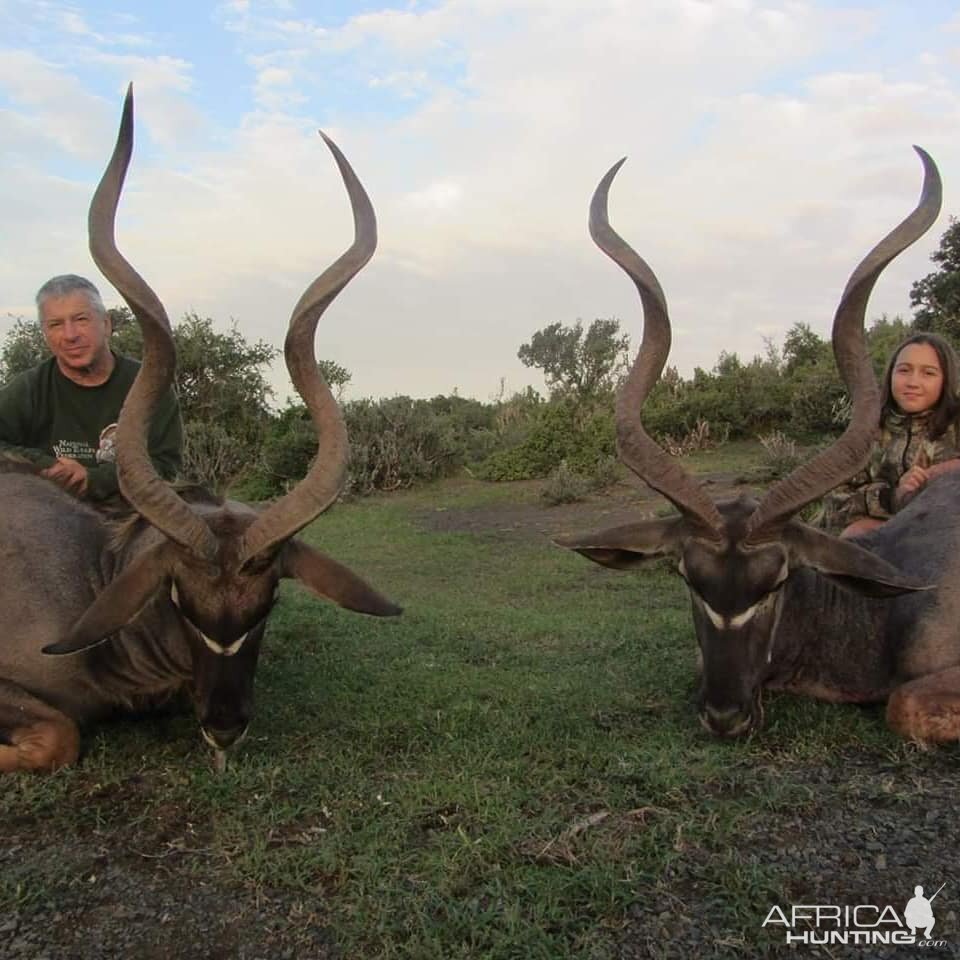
(512, 769)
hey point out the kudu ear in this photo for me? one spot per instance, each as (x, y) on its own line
(119, 603)
(626, 547)
(332, 581)
(846, 563)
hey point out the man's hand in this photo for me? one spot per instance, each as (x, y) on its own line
(69, 474)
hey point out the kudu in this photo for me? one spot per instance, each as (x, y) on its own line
(180, 599)
(777, 603)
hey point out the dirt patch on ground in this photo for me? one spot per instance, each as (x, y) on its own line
(147, 884)
(864, 831)
(531, 519)
(109, 901)
(868, 834)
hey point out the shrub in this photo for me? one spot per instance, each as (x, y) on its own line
(780, 455)
(701, 437)
(816, 397)
(289, 449)
(606, 473)
(567, 485)
(564, 485)
(398, 442)
(394, 443)
(212, 457)
(559, 432)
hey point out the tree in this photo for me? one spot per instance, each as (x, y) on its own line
(126, 337)
(23, 348)
(219, 376)
(337, 377)
(584, 365)
(883, 337)
(937, 295)
(804, 348)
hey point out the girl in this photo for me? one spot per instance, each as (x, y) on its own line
(919, 437)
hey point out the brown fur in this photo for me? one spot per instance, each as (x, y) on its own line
(44, 747)
(38, 736)
(125, 522)
(927, 710)
(12, 463)
(935, 646)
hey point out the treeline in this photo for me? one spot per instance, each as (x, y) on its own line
(236, 438)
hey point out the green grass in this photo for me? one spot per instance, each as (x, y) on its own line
(501, 772)
(735, 456)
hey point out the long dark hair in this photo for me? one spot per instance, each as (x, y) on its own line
(945, 410)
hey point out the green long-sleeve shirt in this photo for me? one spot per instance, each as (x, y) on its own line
(45, 415)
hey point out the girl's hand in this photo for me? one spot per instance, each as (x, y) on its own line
(911, 483)
(940, 468)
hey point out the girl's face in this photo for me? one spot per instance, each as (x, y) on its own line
(917, 379)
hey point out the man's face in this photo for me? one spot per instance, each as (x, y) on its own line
(77, 335)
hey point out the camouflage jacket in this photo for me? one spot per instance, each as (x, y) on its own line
(902, 442)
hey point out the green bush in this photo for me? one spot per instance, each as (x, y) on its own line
(559, 432)
(606, 472)
(781, 456)
(212, 457)
(815, 397)
(394, 443)
(398, 442)
(564, 485)
(568, 485)
(288, 451)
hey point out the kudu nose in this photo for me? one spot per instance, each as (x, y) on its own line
(222, 738)
(726, 722)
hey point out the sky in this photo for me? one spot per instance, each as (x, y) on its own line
(768, 145)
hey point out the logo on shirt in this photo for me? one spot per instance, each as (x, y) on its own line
(107, 451)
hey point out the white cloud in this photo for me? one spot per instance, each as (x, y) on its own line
(50, 107)
(405, 83)
(274, 76)
(150, 74)
(769, 149)
(442, 197)
(72, 22)
(275, 90)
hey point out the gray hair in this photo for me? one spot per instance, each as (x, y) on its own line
(68, 283)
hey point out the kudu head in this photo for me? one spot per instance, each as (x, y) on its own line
(222, 565)
(735, 557)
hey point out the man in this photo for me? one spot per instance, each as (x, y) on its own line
(62, 414)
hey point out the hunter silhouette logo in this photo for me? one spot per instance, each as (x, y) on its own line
(918, 913)
(862, 924)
